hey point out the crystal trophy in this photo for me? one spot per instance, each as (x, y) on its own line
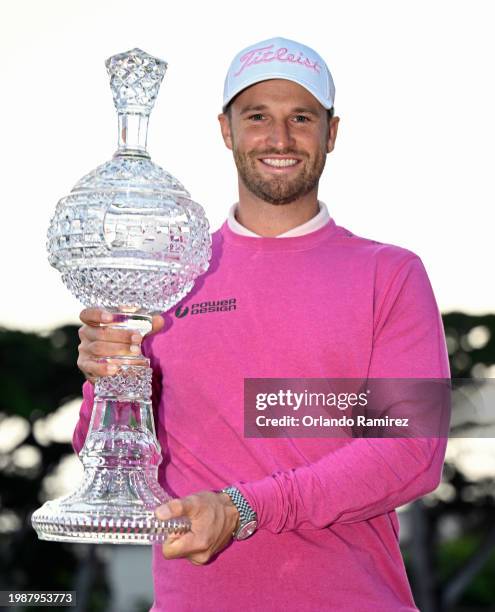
(128, 238)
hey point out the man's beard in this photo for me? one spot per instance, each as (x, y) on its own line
(279, 190)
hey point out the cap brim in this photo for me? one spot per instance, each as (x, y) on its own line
(325, 103)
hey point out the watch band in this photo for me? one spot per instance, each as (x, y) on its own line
(248, 519)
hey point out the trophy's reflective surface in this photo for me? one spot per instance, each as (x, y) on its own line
(128, 238)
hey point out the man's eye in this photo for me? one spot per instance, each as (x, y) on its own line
(301, 119)
(256, 117)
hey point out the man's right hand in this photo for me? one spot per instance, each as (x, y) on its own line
(98, 340)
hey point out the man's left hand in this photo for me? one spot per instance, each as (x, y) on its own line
(214, 519)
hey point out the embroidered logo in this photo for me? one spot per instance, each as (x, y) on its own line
(263, 55)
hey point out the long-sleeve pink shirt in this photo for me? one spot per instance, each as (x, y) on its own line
(327, 304)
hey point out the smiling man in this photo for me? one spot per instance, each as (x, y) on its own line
(280, 136)
(288, 523)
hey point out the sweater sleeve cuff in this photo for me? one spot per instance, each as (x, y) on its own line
(264, 498)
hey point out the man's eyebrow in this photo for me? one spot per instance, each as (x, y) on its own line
(261, 107)
(253, 107)
(305, 109)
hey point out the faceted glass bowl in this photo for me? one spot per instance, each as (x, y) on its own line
(129, 236)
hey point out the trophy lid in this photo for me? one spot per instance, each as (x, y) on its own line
(135, 78)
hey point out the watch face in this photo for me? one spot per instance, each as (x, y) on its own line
(246, 530)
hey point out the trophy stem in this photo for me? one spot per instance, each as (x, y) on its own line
(133, 134)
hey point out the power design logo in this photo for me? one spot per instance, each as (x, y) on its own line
(181, 312)
(205, 307)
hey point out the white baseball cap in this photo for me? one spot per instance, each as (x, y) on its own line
(280, 58)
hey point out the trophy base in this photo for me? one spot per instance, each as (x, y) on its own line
(60, 521)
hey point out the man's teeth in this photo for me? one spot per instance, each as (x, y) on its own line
(280, 163)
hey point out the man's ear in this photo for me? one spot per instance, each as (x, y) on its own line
(226, 129)
(333, 126)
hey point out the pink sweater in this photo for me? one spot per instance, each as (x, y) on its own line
(323, 305)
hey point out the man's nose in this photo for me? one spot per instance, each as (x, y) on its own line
(280, 135)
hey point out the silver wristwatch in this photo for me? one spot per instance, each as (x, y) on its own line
(248, 519)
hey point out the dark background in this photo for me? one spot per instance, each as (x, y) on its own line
(39, 375)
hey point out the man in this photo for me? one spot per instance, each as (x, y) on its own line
(308, 299)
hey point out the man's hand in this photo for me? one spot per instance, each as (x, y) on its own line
(214, 519)
(98, 341)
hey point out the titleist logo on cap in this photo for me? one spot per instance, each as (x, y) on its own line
(263, 55)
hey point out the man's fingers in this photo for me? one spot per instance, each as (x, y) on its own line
(112, 349)
(189, 546)
(173, 548)
(97, 320)
(158, 322)
(98, 316)
(200, 558)
(109, 334)
(95, 316)
(210, 527)
(94, 369)
(185, 506)
(171, 509)
(100, 340)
